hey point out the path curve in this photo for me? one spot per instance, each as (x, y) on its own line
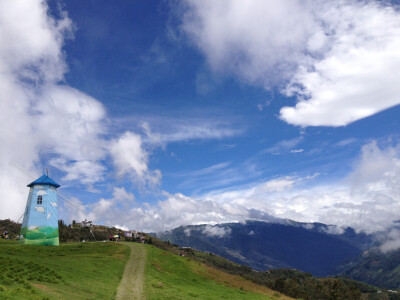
(132, 283)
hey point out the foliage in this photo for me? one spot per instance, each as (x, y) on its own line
(289, 282)
(76, 233)
(12, 228)
(376, 268)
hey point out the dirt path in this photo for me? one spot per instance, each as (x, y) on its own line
(131, 286)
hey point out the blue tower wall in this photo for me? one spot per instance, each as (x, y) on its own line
(40, 224)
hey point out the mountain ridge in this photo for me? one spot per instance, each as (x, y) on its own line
(265, 245)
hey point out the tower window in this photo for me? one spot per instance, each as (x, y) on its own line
(39, 200)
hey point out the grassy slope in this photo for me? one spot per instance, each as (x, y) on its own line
(169, 276)
(71, 271)
(93, 271)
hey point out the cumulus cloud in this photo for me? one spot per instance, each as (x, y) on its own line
(339, 59)
(356, 77)
(131, 158)
(254, 40)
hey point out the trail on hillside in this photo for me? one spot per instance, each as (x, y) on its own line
(132, 283)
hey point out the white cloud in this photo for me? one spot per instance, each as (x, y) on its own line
(391, 241)
(255, 40)
(340, 58)
(121, 227)
(216, 231)
(41, 192)
(130, 158)
(279, 185)
(187, 232)
(356, 77)
(296, 150)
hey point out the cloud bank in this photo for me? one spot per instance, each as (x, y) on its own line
(367, 200)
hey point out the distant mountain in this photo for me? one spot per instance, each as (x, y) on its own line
(310, 247)
(375, 268)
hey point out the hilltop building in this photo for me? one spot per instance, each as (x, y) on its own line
(40, 224)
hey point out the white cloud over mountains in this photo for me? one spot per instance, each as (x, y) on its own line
(339, 59)
(369, 202)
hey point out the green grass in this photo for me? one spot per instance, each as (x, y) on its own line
(70, 271)
(168, 276)
(94, 270)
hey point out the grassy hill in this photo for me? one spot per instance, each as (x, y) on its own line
(94, 270)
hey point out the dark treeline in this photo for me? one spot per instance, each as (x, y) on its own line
(75, 233)
(12, 227)
(72, 232)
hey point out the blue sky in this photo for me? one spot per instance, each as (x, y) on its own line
(157, 114)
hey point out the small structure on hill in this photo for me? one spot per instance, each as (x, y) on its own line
(40, 224)
(87, 223)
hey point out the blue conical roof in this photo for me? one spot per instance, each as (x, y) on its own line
(44, 180)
